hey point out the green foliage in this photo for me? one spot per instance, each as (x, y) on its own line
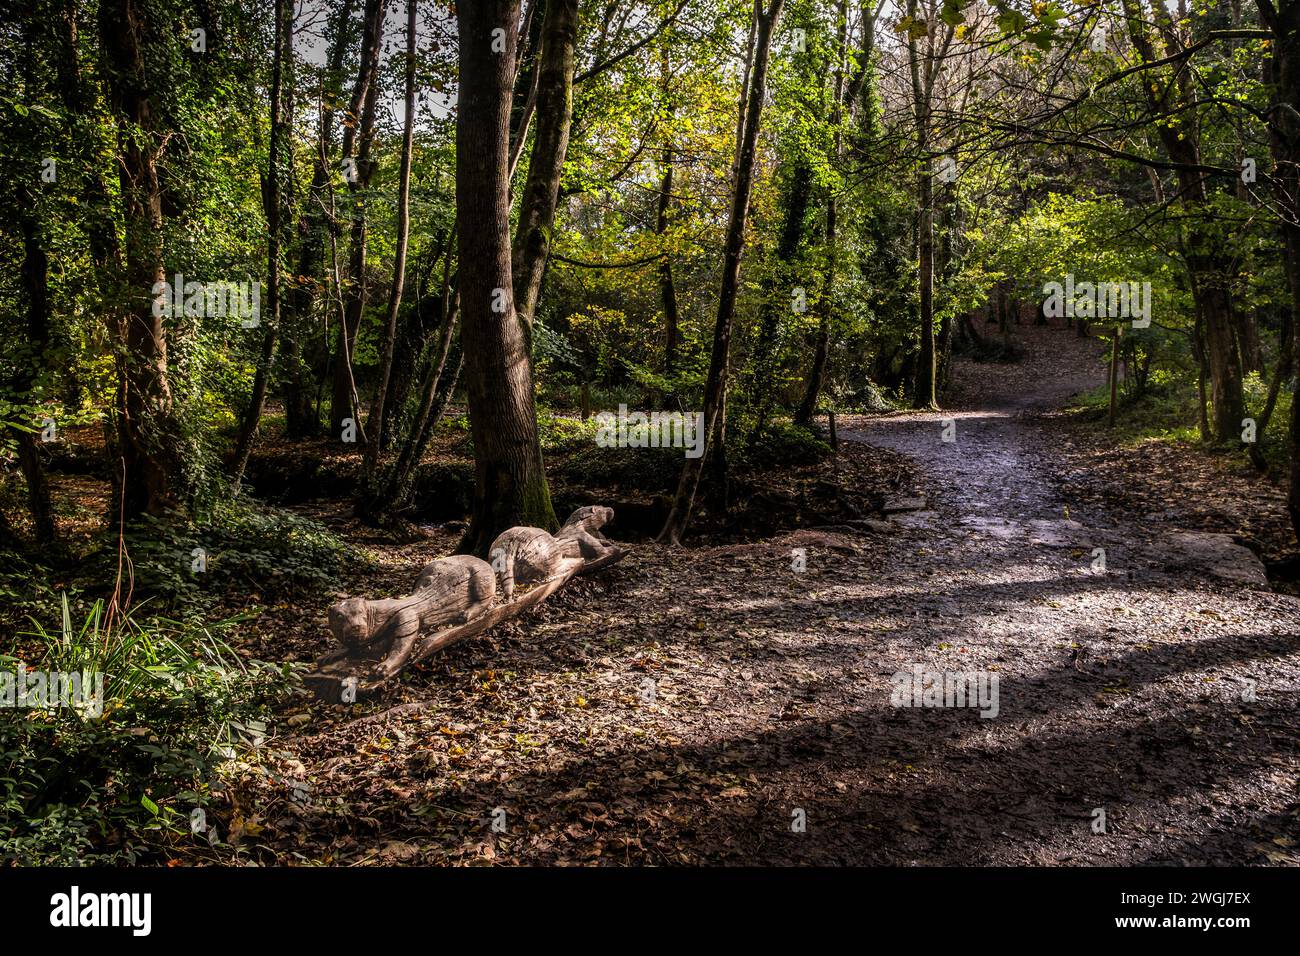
(27, 589)
(248, 548)
(558, 432)
(86, 788)
(782, 444)
(633, 471)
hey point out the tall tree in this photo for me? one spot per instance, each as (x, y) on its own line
(301, 418)
(358, 140)
(148, 468)
(796, 185)
(826, 301)
(31, 349)
(1172, 99)
(753, 95)
(375, 423)
(924, 70)
(554, 95)
(510, 481)
(273, 200)
(422, 318)
(1283, 22)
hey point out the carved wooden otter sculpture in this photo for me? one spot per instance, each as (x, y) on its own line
(454, 598)
(449, 591)
(581, 533)
(525, 555)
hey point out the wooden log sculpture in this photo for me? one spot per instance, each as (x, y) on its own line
(454, 598)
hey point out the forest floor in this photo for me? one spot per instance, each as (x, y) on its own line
(692, 706)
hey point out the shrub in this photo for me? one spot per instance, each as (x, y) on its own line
(271, 552)
(78, 786)
(782, 444)
(557, 432)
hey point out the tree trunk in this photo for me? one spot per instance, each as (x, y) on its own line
(35, 283)
(301, 418)
(809, 68)
(523, 104)
(926, 366)
(510, 481)
(281, 117)
(375, 423)
(946, 327)
(821, 350)
(395, 493)
(360, 132)
(826, 302)
(1248, 344)
(1040, 317)
(438, 393)
(667, 288)
(1226, 396)
(778, 289)
(1280, 377)
(79, 96)
(1202, 378)
(1284, 135)
(1114, 375)
(550, 146)
(33, 354)
(149, 471)
(424, 317)
(1180, 136)
(716, 383)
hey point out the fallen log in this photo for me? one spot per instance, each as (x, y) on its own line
(454, 598)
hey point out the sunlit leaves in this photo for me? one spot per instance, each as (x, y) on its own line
(912, 28)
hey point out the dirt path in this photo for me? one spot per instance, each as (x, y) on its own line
(698, 706)
(1127, 655)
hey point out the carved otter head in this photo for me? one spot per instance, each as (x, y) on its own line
(349, 622)
(591, 517)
